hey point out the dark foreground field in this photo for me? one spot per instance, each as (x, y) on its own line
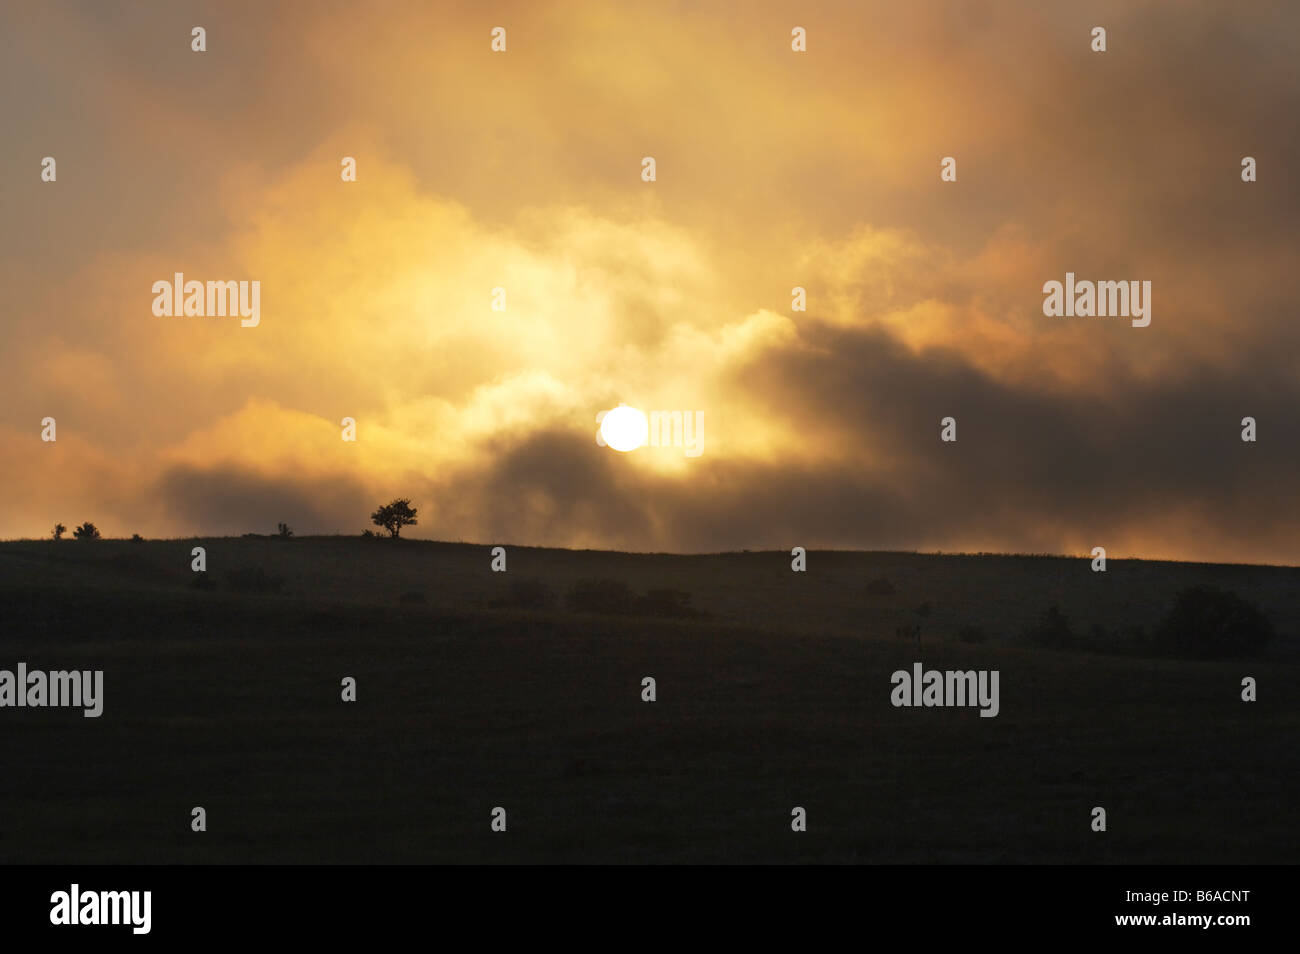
(230, 700)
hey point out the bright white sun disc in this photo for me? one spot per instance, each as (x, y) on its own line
(625, 428)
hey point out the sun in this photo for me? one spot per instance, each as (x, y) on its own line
(624, 428)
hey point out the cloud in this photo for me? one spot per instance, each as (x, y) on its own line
(521, 171)
(223, 501)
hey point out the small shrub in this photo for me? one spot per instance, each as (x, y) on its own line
(87, 531)
(136, 538)
(611, 597)
(284, 530)
(527, 594)
(665, 603)
(909, 631)
(58, 531)
(1052, 631)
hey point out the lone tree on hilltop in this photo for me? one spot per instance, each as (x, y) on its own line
(58, 531)
(394, 516)
(87, 531)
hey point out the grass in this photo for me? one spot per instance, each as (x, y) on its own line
(779, 698)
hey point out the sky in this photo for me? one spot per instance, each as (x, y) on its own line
(522, 170)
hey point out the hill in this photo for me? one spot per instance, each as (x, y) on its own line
(774, 694)
(1002, 594)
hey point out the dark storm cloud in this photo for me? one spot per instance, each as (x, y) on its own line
(1030, 470)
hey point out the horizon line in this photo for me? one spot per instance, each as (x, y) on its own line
(669, 553)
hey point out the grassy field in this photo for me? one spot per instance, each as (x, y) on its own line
(778, 697)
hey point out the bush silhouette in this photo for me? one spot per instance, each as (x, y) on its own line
(612, 597)
(527, 594)
(1052, 631)
(394, 516)
(910, 631)
(1206, 622)
(58, 531)
(87, 531)
(284, 529)
(666, 603)
(1126, 640)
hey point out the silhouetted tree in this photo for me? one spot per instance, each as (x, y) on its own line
(58, 531)
(394, 516)
(1052, 630)
(87, 531)
(285, 529)
(1206, 622)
